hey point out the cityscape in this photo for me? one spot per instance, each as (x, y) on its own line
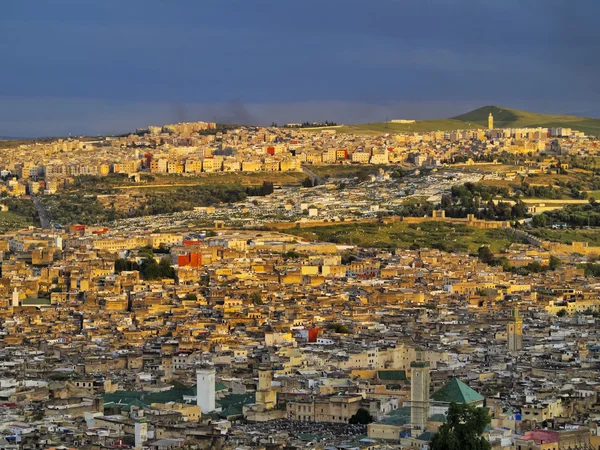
(294, 271)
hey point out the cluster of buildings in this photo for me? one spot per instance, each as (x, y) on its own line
(197, 147)
(260, 339)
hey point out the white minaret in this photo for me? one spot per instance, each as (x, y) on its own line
(205, 388)
(15, 298)
(141, 433)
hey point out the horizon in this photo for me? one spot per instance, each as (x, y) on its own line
(389, 119)
(108, 68)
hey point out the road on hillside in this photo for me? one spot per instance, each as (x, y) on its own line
(316, 179)
(44, 219)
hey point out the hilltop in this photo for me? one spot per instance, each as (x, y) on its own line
(477, 119)
(514, 118)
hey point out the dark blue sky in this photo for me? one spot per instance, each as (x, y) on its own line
(102, 66)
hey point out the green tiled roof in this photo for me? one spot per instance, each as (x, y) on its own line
(438, 418)
(172, 395)
(35, 301)
(220, 387)
(427, 436)
(456, 391)
(238, 400)
(392, 375)
(231, 410)
(397, 417)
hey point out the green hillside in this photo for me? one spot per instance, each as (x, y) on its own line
(419, 125)
(503, 118)
(514, 118)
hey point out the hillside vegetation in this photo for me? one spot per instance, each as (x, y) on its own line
(477, 119)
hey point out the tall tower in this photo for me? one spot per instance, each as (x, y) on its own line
(15, 298)
(419, 397)
(514, 331)
(141, 433)
(205, 388)
(265, 395)
(490, 122)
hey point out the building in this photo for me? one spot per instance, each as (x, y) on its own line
(419, 396)
(205, 389)
(490, 122)
(514, 332)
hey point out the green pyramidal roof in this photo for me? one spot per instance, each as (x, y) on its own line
(456, 391)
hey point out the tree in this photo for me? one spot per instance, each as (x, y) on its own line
(561, 313)
(338, 328)
(256, 298)
(463, 429)
(554, 263)
(485, 255)
(307, 182)
(362, 417)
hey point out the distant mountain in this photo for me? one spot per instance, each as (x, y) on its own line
(478, 119)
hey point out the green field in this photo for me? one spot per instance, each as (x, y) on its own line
(513, 118)
(591, 236)
(388, 127)
(477, 119)
(347, 170)
(443, 235)
(10, 221)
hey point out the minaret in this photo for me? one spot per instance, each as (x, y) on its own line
(15, 298)
(419, 396)
(205, 388)
(490, 122)
(265, 395)
(141, 432)
(582, 351)
(514, 332)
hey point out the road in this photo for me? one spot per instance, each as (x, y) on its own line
(316, 179)
(44, 219)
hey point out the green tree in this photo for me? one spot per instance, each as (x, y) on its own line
(561, 313)
(256, 298)
(463, 429)
(554, 262)
(338, 328)
(362, 416)
(485, 255)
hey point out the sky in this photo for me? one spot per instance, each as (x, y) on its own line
(110, 66)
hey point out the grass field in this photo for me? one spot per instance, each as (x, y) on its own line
(592, 235)
(477, 119)
(11, 221)
(165, 181)
(446, 236)
(514, 118)
(346, 170)
(418, 126)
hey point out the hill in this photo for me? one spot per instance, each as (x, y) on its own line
(477, 119)
(514, 118)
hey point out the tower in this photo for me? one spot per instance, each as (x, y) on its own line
(141, 433)
(265, 395)
(514, 331)
(205, 388)
(15, 298)
(582, 351)
(419, 396)
(490, 122)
